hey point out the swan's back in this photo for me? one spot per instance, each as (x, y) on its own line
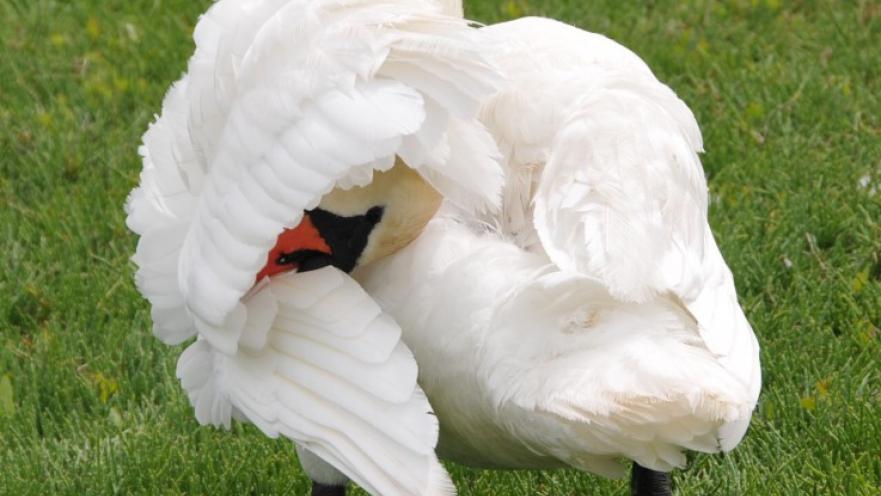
(604, 178)
(594, 317)
(530, 367)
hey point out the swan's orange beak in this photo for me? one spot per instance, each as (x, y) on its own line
(305, 238)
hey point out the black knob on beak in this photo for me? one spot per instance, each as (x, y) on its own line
(346, 236)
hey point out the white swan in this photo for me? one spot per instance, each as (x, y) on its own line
(262, 165)
(594, 319)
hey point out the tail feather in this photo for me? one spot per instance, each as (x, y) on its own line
(634, 379)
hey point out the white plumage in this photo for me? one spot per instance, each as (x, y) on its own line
(566, 309)
(594, 318)
(340, 383)
(283, 101)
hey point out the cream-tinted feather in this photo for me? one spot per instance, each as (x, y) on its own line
(283, 101)
(528, 366)
(592, 317)
(621, 195)
(350, 396)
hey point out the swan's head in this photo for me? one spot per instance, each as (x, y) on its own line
(356, 226)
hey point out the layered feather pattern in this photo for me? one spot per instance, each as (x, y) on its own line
(543, 368)
(340, 383)
(623, 196)
(593, 317)
(283, 101)
(605, 172)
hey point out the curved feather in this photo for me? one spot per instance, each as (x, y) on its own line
(605, 179)
(351, 399)
(283, 101)
(541, 368)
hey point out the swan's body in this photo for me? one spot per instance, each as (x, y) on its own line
(594, 318)
(527, 366)
(567, 312)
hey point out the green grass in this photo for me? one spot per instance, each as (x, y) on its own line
(787, 94)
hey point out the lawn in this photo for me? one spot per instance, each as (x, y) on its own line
(788, 95)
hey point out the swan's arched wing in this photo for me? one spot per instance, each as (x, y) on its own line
(283, 101)
(623, 196)
(619, 184)
(623, 199)
(340, 383)
(620, 194)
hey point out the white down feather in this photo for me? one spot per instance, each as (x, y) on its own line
(284, 100)
(592, 318)
(604, 172)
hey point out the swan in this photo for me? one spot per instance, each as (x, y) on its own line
(314, 139)
(307, 138)
(592, 319)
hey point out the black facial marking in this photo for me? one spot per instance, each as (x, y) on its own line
(305, 260)
(346, 236)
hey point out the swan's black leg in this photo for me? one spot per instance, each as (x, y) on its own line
(323, 490)
(332, 481)
(647, 482)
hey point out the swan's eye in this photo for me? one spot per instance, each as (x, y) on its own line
(322, 238)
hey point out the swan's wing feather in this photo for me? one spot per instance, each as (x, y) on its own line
(726, 332)
(623, 196)
(610, 159)
(623, 199)
(627, 378)
(350, 398)
(283, 101)
(562, 366)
